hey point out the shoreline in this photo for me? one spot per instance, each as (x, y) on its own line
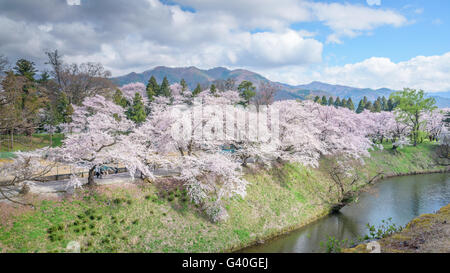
(425, 233)
(326, 212)
(144, 217)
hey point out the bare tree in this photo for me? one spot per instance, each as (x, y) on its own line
(346, 182)
(55, 61)
(25, 167)
(265, 94)
(3, 64)
(78, 81)
(230, 84)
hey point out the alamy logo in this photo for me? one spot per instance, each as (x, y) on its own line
(225, 123)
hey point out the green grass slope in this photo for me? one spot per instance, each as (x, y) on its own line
(146, 218)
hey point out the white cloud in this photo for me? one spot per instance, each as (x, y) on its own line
(430, 73)
(352, 20)
(437, 22)
(73, 2)
(374, 2)
(136, 35)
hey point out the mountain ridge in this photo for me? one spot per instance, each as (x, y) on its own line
(193, 75)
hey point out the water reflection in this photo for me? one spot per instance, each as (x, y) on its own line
(401, 198)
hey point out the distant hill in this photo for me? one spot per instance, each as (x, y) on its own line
(193, 75)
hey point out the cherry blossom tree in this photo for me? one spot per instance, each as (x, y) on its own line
(309, 130)
(25, 167)
(209, 179)
(130, 90)
(433, 123)
(100, 136)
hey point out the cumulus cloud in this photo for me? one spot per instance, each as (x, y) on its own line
(136, 35)
(429, 73)
(352, 20)
(374, 2)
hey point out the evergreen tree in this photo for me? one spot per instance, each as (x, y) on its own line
(343, 103)
(324, 100)
(377, 106)
(337, 102)
(213, 89)
(390, 104)
(119, 99)
(365, 101)
(330, 101)
(153, 86)
(246, 91)
(384, 105)
(63, 109)
(361, 107)
(165, 89)
(183, 86)
(45, 77)
(197, 90)
(350, 104)
(369, 106)
(316, 99)
(136, 112)
(25, 68)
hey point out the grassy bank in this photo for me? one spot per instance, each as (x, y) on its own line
(427, 233)
(159, 218)
(27, 143)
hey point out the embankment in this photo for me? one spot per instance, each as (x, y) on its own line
(159, 218)
(428, 233)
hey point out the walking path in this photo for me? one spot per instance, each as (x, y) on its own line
(59, 187)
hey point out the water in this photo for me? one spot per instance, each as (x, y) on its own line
(402, 198)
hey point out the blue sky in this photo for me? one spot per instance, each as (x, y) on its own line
(361, 43)
(427, 34)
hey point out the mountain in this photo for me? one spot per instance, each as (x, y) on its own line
(193, 75)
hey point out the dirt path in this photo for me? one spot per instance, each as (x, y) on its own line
(59, 187)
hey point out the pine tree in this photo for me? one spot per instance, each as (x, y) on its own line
(213, 89)
(136, 112)
(324, 100)
(45, 77)
(119, 99)
(246, 91)
(183, 86)
(330, 101)
(316, 99)
(384, 105)
(369, 106)
(350, 104)
(63, 109)
(68, 114)
(377, 106)
(197, 90)
(165, 89)
(25, 68)
(390, 104)
(150, 89)
(343, 103)
(153, 86)
(337, 102)
(361, 106)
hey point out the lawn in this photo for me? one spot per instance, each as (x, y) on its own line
(27, 143)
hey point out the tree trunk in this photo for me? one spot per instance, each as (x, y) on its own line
(91, 181)
(12, 140)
